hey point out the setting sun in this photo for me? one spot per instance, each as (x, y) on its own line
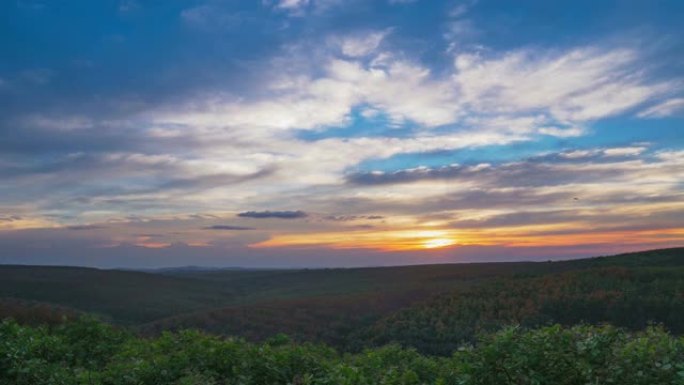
(437, 243)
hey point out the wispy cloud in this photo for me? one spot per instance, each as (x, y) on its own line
(85, 227)
(362, 43)
(227, 227)
(667, 108)
(273, 214)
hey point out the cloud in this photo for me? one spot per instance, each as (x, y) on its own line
(555, 92)
(9, 218)
(85, 227)
(210, 16)
(227, 227)
(299, 8)
(37, 76)
(273, 214)
(362, 44)
(242, 141)
(461, 8)
(349, 218)
(568, 167)
(218, 148)
(292, 7)
(667, 108)
(292, 4)
(577, 85)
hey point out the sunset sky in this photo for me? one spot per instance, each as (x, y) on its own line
(291, 133)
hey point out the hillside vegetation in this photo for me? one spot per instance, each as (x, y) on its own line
(608, 320)
(432, 308)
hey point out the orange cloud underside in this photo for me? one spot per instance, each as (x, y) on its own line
(405, 240)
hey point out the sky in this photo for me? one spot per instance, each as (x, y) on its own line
(321, 133)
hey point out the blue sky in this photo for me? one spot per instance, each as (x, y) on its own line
(137, 133)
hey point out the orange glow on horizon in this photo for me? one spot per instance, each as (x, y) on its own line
(412, 240)
(438, 243)
(387, 240)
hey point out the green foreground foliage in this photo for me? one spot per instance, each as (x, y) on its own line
(86, 351)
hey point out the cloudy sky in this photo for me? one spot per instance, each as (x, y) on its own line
(338, 132)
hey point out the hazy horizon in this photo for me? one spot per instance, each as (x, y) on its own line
(338, 133)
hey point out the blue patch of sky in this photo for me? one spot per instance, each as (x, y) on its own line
(467, 156)
(504, 24)
(147, 53)
(378, 124)
(660, 134)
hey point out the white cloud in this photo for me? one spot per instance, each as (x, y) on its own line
(247, 151)
(556, 93)
(667, 108)
(300, 8)
(513, 97)
(403, 90)
(579, 85)
(292, 4)
(562, 132)
(362, 44)
(461, 9)
(291, 7)
(624, 151)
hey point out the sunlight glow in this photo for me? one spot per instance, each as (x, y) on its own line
(437, 243)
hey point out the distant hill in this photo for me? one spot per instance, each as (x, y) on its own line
(123, 296)
(658, 258)
(132, 297)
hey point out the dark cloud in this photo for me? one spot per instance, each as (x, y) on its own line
(405, 176)
(347, 218)
(547, 170)
(520, 218)
(214, 180)
(85, 227)
(9, 218)
(227, 227)
(203, 216)
(273, 214)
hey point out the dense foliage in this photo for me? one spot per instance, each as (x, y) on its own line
(630, 297)
(626, 297)
(89, 352)
(433, 308)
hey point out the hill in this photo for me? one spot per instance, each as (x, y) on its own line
(132, 297)
(437, 308)
(431, 307)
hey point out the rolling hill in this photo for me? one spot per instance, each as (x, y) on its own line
(431, 307)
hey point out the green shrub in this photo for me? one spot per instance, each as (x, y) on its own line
(87, 352)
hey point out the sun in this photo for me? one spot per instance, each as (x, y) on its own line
(436, 243)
